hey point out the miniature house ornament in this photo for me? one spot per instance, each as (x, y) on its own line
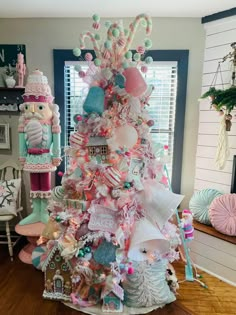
(39, 142)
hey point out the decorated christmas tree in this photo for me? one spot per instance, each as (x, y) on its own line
(110, 239)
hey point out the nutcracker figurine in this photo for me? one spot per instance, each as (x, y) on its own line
(187, 224)
(21, 69)
(39, 137)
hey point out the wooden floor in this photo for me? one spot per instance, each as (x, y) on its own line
(22, 286)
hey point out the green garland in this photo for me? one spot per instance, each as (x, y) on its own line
(222, 99)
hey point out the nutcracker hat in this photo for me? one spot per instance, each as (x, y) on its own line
(37, 88)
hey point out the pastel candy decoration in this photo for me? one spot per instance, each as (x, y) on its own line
(120, 80)
(135, 84)
(111, 177)
(94, 102)
(57, 193)
(222, 214)
(34, 131)
(78, 139)
(39, 256)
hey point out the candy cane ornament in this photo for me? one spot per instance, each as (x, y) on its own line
(133, 28)
(91, 36)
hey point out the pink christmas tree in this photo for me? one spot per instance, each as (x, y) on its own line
(110, 226)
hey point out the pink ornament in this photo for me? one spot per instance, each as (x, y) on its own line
(166, 147)
(140, 49)
(82, 74)
(112, 177)
(130, 270)
(144, 69)
(150, 123)
(121, 42)
(60, 174)
(79, 118)
(135, 84)
(96, 25)
(88, 57)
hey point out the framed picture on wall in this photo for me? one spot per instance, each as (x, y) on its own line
(4, 136)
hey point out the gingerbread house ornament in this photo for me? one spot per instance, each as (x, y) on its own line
(98, 149)
(112, 299)
(57, 276)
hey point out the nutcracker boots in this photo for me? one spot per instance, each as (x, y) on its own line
(35, 216)
(44, 216)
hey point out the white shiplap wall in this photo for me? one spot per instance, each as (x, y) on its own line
(219, 35)
(209, 253)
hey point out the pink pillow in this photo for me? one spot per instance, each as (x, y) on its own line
(222, 213)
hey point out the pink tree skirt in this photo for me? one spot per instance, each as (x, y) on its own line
(32, 232)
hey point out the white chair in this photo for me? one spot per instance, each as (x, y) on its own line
(10, 170)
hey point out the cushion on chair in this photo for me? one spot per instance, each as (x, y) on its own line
(222, 214)
(8, 195)
(200, 202)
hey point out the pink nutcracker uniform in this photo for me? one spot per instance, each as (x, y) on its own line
(39, 138)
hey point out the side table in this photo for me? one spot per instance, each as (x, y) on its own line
(32, 232)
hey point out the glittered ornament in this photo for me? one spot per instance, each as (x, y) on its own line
(150, 123)
(116, 32)
(128, 55)
(148, 60)
(96, 25)
(144, 69)
(96, 18)
(141, 50)
(97, 62)
(82, 74)
(148, 43)
(88, 57)
(137, 57)
(108, 44)
(121, 42)
(77, 68)
(76, 52)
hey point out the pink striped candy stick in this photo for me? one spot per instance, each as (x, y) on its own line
(133, 28)
(91, 36)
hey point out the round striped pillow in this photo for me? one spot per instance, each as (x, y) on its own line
(222, 214)
(200, 202)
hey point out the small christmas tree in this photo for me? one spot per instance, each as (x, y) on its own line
(110, 226)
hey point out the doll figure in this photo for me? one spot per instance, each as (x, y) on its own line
(187, 224)
(21, 69)
(39, 142)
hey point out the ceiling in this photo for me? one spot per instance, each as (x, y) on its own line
(112, 8)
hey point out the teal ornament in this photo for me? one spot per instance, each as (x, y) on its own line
(148, 43)
(105, 253)
(107, 24)
(125, 65)
(87, 249)
(149, 60)
(94, 102)
(144, 23)
(116, 32)
(81, 253)
(108, 44)
(120, 80)
(126, 32)
(77, 68)
(76, 52)
(58, 219)
(97, 62)
(97, 37)
(127, 185)
(128, 55)
(96, 18)
(137, 57)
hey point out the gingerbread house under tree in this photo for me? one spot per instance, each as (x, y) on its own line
(57, 276)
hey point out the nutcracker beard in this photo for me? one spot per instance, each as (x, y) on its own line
(40, 182)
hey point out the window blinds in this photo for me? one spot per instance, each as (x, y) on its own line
(162, 103)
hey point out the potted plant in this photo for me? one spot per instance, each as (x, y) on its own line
(9, 79)
(223, 101)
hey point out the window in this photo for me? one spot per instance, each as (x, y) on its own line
(162, 103)
(167, 102)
